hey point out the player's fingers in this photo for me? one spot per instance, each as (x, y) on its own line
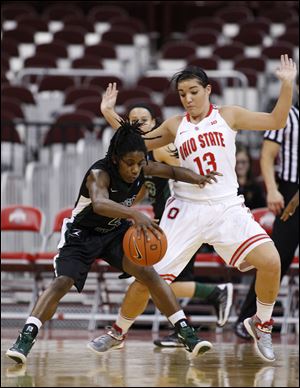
(138, 231)
(211, 177)
(146, 232)
(284, 216)
(157, 227)
(155, 232)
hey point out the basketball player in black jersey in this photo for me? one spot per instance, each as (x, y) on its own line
(96, 228)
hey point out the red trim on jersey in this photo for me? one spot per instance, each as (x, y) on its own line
(188, 117)
(210, 110)
(241, 249)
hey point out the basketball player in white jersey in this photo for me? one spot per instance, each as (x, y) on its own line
(205, 140)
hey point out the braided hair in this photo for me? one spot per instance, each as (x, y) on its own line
(128, 138)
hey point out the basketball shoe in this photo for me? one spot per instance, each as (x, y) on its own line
(262, 335)
(169, 341)
(20, 349)
(221, 299)
(187, 336)
(109, 341)
(240, 331)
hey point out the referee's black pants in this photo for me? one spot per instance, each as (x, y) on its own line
(286, 239)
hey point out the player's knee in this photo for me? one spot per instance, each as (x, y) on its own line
(147, 275)
(61, 285)
(271, 262)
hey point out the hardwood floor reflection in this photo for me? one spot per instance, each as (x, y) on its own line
(68, 363)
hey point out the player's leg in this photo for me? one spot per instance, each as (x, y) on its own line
(134, 304)
(219, 296)
(266, 260)
(43, 310)
(71, 268)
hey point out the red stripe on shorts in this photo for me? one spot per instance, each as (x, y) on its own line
(237, 254)
(168, 277)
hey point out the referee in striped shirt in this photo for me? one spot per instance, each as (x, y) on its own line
(279, 158)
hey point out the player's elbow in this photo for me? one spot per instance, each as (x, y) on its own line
(277, 122)
(99, 206)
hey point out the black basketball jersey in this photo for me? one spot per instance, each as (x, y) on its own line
(119, 191)
(158, 191)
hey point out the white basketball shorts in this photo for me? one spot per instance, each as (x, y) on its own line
(227, 225)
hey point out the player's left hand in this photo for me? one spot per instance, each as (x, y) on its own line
(287, 70)
(208, 178)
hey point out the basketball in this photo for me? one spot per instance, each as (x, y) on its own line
(141, 251)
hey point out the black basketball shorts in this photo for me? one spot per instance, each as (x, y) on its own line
(82, 247)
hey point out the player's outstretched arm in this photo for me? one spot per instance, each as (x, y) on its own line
(107, 106)
(240, 118)
(179, 174)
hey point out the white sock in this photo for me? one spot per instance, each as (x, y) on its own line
(264, 310)
(124, 323)
(176, 317)
(34, 321)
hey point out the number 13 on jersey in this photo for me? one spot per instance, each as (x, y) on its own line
(209, 159)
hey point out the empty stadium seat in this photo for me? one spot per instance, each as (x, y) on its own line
(23, 228)
(213, 23)
(211, 63)
(11, 11)
(205, 39)
(174, 55)
(89, 104)
(59, 11)
(87, 62)
(74, 93)
(103, 81)
(55, 82)
(135, 92)
(42, 61)
(107, 52)
(227, 54)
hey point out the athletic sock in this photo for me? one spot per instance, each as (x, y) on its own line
(264, 310)
(123, 324)
(202, 291)
(177, 317)
(32, 326)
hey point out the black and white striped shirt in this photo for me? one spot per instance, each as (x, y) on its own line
(288, 138)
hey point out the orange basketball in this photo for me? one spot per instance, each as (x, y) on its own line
(141, 251)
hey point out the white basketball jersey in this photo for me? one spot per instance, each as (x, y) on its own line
(205, 147)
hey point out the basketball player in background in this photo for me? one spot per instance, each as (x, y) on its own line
(184, 286)
(205, 140)
(96, 229)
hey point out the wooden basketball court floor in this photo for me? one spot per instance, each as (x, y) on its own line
(60, 359)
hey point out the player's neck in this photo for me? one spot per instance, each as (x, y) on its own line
(195, 119)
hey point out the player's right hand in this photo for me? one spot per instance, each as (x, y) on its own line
(109, 97)
(143, 224)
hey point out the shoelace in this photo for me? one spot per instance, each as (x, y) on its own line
(265, 337)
